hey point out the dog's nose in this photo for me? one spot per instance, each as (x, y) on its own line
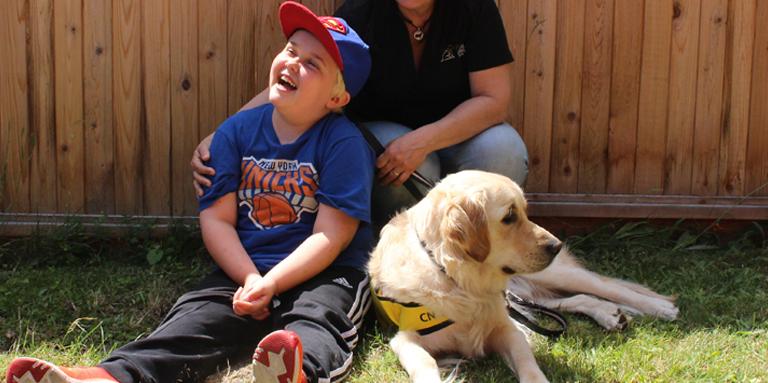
(554, 247)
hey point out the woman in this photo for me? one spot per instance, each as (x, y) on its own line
(436, 97)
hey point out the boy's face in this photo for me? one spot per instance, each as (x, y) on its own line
(302, 76)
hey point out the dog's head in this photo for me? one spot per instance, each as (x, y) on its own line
(479, 218)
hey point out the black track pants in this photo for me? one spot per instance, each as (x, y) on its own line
(201, 334)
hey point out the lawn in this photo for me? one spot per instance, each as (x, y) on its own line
(71, 297)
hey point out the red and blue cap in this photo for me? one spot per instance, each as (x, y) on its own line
(342, 42)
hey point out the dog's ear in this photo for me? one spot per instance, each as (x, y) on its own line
(465, 226)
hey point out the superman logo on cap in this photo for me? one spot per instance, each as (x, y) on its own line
(333, 24)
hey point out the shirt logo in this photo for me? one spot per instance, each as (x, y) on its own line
(452, 51)
(276, 192)
(333, 24)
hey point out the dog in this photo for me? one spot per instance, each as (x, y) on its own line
(441, 268)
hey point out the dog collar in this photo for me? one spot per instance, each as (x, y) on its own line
(430, 254)
(409, 316)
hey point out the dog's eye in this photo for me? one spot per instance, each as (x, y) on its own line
(510, 218)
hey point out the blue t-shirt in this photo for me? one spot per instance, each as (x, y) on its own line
(279, 187)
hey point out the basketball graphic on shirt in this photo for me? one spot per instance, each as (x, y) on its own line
(277, 192)
(272, 209)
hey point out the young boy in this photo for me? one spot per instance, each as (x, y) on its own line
(287, 221)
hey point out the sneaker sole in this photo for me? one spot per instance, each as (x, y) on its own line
(36, 371)
(31, 370)
(264, 374)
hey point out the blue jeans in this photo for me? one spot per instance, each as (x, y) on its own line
(498, 149)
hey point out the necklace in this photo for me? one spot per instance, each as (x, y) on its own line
(418, 34)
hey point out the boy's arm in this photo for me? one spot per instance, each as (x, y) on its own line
(202, 152)
(217, 224)
(332, 233)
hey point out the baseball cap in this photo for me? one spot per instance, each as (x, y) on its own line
(342, 42)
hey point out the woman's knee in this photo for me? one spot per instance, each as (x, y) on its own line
(498, 149)
(386, 131)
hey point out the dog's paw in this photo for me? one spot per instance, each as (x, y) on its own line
(661, 308)
(615, 321)
(668, 312)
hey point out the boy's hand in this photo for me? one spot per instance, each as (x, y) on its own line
(199, 170)
(254, 297)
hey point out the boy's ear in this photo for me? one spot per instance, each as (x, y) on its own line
(337, 102)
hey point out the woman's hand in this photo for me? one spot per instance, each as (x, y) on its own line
(253, 298)
(400, 159)
(199, 170)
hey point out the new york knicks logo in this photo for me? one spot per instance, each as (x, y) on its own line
(276, 192)
(333, 24)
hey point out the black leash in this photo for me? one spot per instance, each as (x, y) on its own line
(516, 315)
(410, 185)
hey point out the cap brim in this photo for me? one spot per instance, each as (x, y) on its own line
(294, 16)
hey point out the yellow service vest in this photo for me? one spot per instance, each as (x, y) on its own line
(409, 316)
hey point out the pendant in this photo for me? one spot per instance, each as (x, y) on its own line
(418, 35)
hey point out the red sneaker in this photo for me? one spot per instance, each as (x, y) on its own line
(278, 359)
(30, 370)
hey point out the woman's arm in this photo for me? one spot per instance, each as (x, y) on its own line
(486, 107)
(202, 154)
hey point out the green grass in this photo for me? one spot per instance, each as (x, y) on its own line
(71, 298)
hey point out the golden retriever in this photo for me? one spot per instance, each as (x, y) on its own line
(453, 254)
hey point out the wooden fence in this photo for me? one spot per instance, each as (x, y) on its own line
(629, 108)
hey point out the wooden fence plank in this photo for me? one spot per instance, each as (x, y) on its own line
(97, 89)
(709, 97)
(14, 108)
(682, 96)
(539, 89)
(43, 198)
(184, 103)
(595, 103)
(741, 38)
(156, 83)
(567, 102)
(68, 50)
(320, 7)
(240, 47)
(654, 95)
(270, 40)
(757, 151)
(625, 95)
(515, 16)
(126, 32)
(14, 121)
(213, 65)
